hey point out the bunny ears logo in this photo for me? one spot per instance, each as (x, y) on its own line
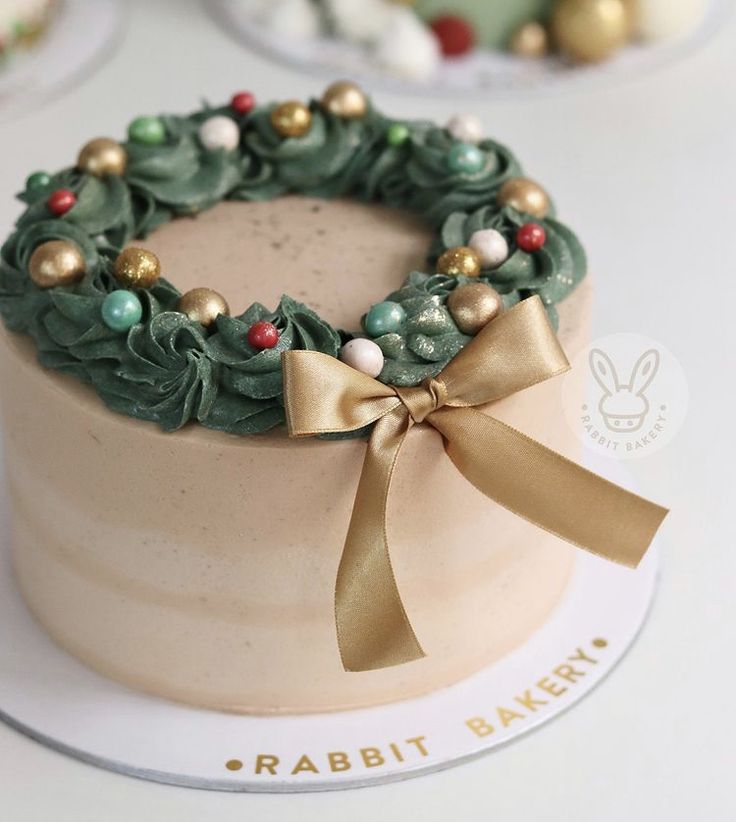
(626, 396)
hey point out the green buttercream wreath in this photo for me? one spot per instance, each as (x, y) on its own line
(170, 369)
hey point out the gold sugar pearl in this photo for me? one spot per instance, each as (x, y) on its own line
(291, 119)
(203, 305)
(590, 31)
(101, 157)
(56, 262)
(137, 268)
(525, 196)
(530, 40)
(459, 261)
(345, 99)
(473, 306)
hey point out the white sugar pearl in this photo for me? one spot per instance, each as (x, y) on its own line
(466, 128)
(664, 20)
(363, 355)
(219, 132)
(406, 46)
(491, 246)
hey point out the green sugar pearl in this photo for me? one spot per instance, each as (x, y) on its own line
(465, 158)
(150, 131)
(396, 134)
(37, 180)
(121, 310)
(384, 318)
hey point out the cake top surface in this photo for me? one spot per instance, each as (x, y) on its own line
(97, 308)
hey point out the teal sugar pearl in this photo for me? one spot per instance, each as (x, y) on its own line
(121, 310)
(384, 318)
(465, 158)
(39, 179)
(150, 131)
(396, 134)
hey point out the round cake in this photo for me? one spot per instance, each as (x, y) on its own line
(22, 23)
(410, 38)
(167, 530)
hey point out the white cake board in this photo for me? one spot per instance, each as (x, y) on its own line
(49, 696)
(486, 72)
(80, 36)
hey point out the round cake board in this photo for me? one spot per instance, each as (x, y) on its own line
(81, 35)
(49, 696)
(494, 74)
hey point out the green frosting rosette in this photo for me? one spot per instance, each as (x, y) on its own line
(22, 304)
(553, 271)
(165, 375)
(179, 177)
(250, 380)
(429, 338)
(103, 211)
(328, 161)
(418, 175)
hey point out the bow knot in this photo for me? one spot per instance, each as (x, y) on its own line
(423, 399)
(515, 351)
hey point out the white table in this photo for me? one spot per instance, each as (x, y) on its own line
(646, 172)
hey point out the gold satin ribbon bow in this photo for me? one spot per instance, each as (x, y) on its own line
(515, 351)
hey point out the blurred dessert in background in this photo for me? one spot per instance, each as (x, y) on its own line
(413, 38)
(22, 24)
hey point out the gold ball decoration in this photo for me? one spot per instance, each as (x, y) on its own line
(291, 119)
(101, 157)
(203, 305)
(459, 261)
(56, 262)
(473, 306)
(530, 40)
(590, 31)
(137, 268)
(524, 195)
(345, 99)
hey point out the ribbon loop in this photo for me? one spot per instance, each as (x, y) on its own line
(515, 351)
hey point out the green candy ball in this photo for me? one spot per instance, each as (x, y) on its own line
(384, 318)
(150, 131)
(396, 134)
(39, 179)
(465, 158)
(121, 310)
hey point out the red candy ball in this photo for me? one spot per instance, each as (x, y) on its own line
(455, 34)
(263, 335)
(61, 201)
(243, 102)
(531, 237)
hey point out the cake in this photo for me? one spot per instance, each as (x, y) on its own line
(22, 22)
(502, 24)
(167, 530)
(410, 39)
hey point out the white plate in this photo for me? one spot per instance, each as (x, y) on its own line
(80, 36)
(487, 72)
(48, 695)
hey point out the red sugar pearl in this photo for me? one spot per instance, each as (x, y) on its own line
(531, 237)
(243, 102)
(263, 335)
(455, 34)
(61, 201)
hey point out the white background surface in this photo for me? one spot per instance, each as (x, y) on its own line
(646, 172)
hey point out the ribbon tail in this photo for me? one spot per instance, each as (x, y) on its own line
(373, 630)
(547, 489)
